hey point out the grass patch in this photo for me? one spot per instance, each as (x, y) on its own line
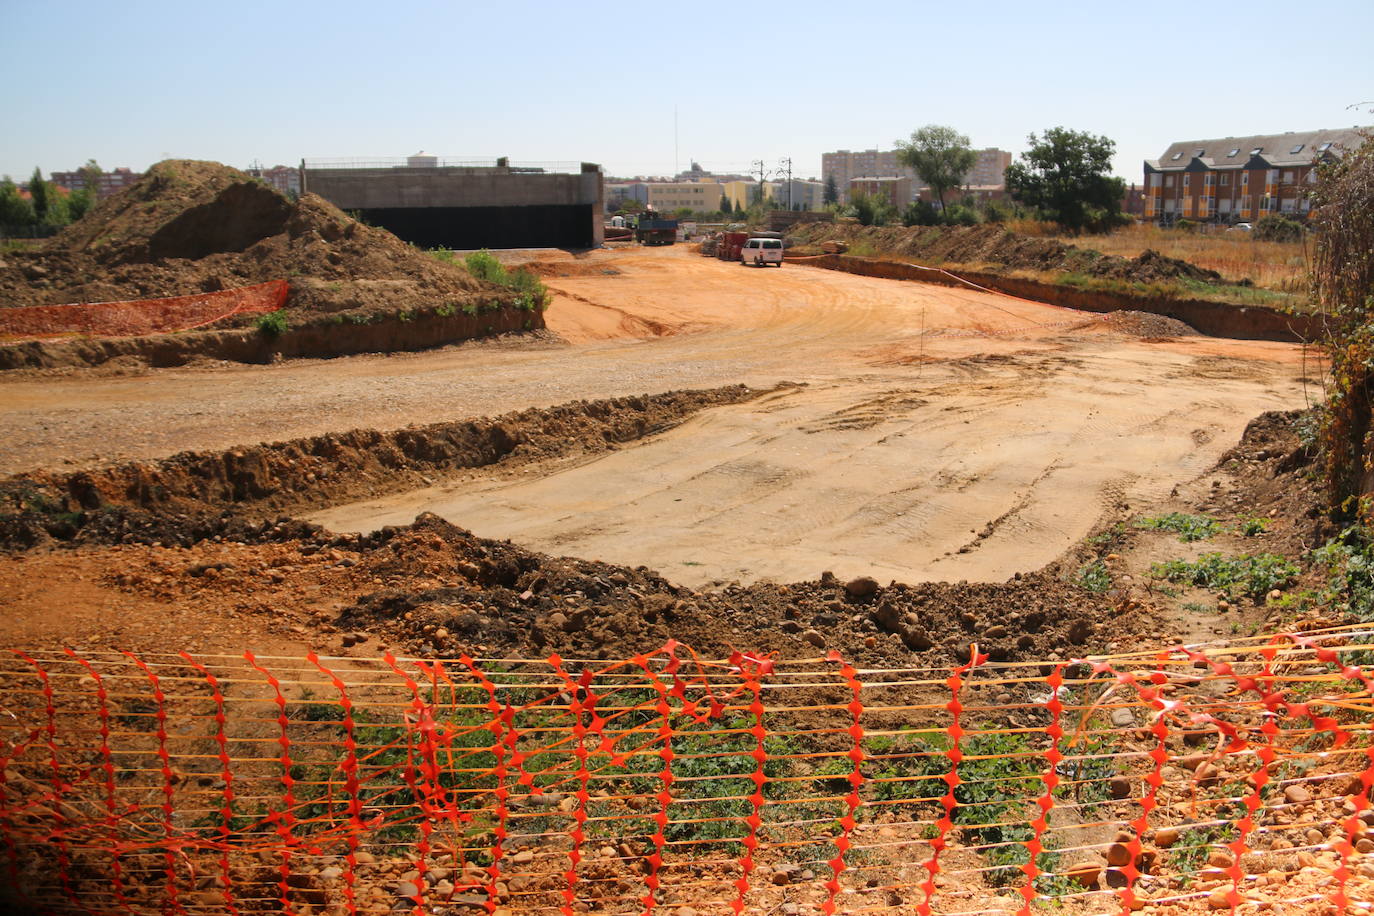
(532, 293)
(1180, 288)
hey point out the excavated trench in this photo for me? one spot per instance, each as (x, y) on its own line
(441, 579)
(307, 473)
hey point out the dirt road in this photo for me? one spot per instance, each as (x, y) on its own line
(940, 433)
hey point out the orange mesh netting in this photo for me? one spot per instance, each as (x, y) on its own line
(140, 316)
(1233, 777)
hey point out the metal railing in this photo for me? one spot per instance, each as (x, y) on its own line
(444, 162)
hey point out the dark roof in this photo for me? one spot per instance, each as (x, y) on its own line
(1276, 150)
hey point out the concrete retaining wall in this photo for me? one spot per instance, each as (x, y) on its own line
(1212, 318)
(379, 191)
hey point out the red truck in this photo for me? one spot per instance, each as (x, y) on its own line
(730, 244)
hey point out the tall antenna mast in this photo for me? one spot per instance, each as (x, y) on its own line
(676, 167)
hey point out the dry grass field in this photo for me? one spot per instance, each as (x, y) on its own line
(1280, 266)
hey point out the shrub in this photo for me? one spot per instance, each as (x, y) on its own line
(273, 324)
(1276, 228)
(920, 213)
(959, 215)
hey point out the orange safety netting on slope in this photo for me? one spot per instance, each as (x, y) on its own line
(1184, 780)
(140, 316)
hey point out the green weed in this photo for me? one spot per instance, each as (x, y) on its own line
(532, 293)
(273, 324)
(1188, 855)
(1187, 527)
(1095, 576)
(1248, 575)
(1110, 538)
(1349, 563)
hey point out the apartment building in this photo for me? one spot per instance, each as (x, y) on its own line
(896, 188)
(698, 196)
(798, 193)
(1235, 179)
(988, 171)
(617, 191)
(741, 192)
(282, 177)
(108, 183)
(844, 166)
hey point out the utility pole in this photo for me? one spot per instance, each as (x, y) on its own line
(759, 169)
(787, 165)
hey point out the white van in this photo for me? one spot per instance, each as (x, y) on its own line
(760, 252)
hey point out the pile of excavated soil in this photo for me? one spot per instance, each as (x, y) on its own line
(178, 500)
(993, 246)
(191, 227)
(1148, 325)
(502, 598)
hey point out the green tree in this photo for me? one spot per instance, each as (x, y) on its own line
(725, 204)
(832, 192)
(39, 191)
(940, 156)
(1065, 176)
(871, 209)
(14, 210)
(91, 174)
(79, 203)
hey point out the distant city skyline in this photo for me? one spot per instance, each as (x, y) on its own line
(551, 82)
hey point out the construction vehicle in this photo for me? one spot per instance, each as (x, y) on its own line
(651, 230)
(730, 244)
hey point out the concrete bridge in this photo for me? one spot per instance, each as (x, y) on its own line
(438, 203)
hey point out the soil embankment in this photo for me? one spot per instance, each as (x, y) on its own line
(148, 500)
(199, 227)
(319, 337)
(1211, 318)
(995, 246)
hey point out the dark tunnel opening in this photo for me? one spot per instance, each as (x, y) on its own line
(540, 226)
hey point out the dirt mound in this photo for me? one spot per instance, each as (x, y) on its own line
(502, 598)
(190, 227)
(178, 499)
(992, 246)
(1148, 325)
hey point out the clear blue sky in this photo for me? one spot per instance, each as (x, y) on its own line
(131, 83)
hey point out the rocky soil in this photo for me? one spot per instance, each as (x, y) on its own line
(192, 227)
(194, 495)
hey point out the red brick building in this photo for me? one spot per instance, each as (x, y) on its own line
(106, 184)
(1238, 179)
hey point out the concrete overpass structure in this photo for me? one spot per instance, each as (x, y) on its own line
(443, 203)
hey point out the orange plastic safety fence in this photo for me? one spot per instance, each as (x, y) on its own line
(1233, 777)
(140, 316)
